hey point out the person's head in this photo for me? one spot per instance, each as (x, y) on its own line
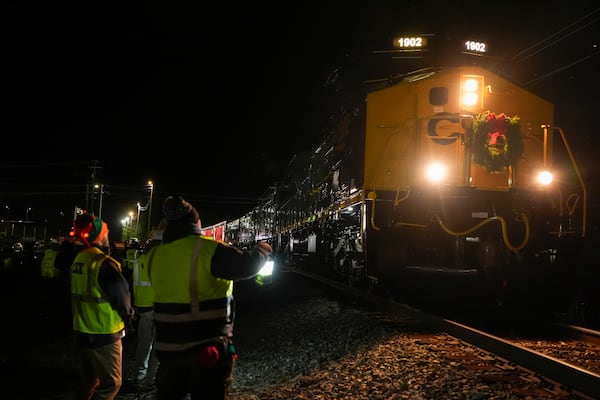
(181, 217)
(177, 210)
(91, 230)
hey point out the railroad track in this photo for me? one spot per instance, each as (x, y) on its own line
(513, 356)
(574, 345)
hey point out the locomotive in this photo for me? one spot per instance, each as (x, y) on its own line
(446, 188)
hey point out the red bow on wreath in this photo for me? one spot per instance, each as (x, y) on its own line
(496, 142)
(494, 137)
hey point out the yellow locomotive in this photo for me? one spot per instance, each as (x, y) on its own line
(443, 187)
(462, 193)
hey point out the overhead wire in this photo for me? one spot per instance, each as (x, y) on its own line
(546, 75)
(522, 55)
(581, 23)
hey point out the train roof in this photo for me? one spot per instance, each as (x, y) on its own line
(373, 85)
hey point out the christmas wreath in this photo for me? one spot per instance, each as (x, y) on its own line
(496, 142)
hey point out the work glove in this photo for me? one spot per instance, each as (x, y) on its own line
(264, 249)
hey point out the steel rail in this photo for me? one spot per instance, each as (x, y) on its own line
(575, 378)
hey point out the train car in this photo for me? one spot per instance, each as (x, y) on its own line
(447, 188)
(216, 231)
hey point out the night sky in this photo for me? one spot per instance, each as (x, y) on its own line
(213, 101)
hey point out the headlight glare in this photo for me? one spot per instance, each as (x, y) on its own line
(435, 172)
(545, 178)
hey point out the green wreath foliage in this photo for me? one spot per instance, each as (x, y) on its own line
(496, 141)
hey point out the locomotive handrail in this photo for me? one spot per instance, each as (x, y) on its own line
(373, 196)
(571, 203)
(488, 220)
(506, 92)
(398, 199)
(579, 177)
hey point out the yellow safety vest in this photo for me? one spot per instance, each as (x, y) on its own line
(47, 265)
(191, 306)
(131, 258)
(143, 294)
(92, 313)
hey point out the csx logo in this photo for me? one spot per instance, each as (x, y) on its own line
(446, 127)
(77, 268)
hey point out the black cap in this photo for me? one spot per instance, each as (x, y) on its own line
(177, 209)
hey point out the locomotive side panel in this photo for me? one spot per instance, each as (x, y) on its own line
(390, 137)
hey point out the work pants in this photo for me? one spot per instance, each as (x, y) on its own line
(188, 372)
(145, 340)
(100, 372)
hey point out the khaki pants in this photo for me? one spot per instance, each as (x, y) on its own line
(101, 372)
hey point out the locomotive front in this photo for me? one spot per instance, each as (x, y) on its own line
(466, 203)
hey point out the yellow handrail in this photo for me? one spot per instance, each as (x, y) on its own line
(581, 181)
(507, 242)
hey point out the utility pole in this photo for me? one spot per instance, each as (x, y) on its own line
(150, 207)
(137, 221)
(100, 206)
(92, 193)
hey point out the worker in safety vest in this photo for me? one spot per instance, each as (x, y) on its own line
(47, 269)
(53, 287)
(192, 277)
(131, 257)
(101, 309)
(143, 301)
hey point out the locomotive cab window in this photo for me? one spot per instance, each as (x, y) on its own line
(438, 96)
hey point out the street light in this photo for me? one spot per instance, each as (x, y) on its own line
(150, 205)
(127, 223)
(124, 228)
(27, 213)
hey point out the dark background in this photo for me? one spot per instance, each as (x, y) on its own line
(212, 101)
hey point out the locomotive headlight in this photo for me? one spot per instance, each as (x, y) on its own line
(544, 178)
(471, 91)
(435, 172)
